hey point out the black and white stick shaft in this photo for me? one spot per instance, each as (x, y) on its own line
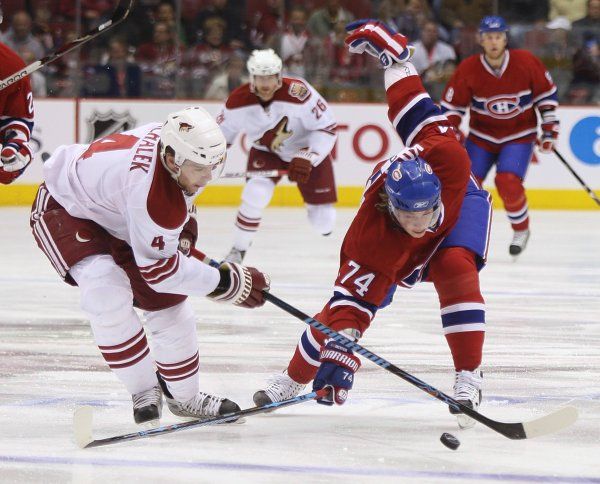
(589, 191)
(82, 422)
(255, 174)
(120, 14)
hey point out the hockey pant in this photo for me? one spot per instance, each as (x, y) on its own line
(107, 300)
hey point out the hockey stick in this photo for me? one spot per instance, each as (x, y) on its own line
(553, 422)
(577, 177)
(83, 416)
(255, 174)
(120, 14)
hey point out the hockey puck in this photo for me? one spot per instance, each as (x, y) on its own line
(449, 441)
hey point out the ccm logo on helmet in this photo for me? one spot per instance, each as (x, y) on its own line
(503, 107)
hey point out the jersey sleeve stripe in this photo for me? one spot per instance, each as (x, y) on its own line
(419, 112)
(161, 270)
(446, 106)
(550, 95)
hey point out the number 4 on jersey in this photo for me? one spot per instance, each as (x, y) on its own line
(158, 243)
(361, 282)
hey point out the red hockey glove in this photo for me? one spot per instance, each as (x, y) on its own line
(377, 39)
(15, 155)
(241, 286)
(338, 366)
(549, 136)
(300, 167)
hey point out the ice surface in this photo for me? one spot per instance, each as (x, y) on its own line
(542, 351)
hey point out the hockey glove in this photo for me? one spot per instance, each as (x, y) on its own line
(189, 234)
(300, 167)
(240, 285)
(377, 39)
(14, 158)
(549, 136)
(338, 365)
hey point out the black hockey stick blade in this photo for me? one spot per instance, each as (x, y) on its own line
(83, 416)
(589, 191)
(121, 13)
(553, 422)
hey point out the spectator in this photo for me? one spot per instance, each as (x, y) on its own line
(588, 25)
(323, 21)
(293, 41)
(94, 12)
(232, 77)
(20, 38)
(434, 60)
(571, 9)
(410, 21)
(159, 61)
(164, 12)
(206, 59)
(229, 15)
(266, 23)
(586, 74)
(456, 14)
(118, 77)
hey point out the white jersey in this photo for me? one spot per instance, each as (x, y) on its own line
(297, 118)
(119, 183)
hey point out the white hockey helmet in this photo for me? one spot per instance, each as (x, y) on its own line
(264, 63)
(194, 135)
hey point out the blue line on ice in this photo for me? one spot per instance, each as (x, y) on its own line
(289, 469)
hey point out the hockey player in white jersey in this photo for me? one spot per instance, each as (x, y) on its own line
(291, 128)
(112, 218)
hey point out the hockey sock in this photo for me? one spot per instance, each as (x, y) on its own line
(454, 274)
(511, 191)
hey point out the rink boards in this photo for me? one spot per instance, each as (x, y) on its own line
(365, 137)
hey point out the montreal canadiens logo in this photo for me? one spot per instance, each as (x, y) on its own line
(503, 106)
(428, 168)
(396, 174)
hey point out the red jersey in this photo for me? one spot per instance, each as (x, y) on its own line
(376, 254)
(502, 101)
(16, 100)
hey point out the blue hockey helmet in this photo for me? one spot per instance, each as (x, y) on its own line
(492, 23)
(412, 186)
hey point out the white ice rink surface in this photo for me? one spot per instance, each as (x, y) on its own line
(542, 351)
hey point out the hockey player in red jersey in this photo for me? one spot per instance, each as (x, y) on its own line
(508, 93)
(291, 128)
(422, 217)
(113, 218)
(16, 119)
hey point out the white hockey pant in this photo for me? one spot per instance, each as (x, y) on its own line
(107, 300)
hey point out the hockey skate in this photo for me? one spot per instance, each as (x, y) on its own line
(279, 387)
(236, 256)
(519, 242)
(467, 390)
(202, 405)
(147, 406)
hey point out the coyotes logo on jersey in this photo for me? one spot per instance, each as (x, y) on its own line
(274, 138)
(299, 91)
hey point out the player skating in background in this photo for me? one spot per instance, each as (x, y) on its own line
(16, 118)
(111, 217)
(423, 217)
(503, 88)
(291, 128)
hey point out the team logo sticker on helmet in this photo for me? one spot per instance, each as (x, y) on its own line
(396, 174)
(185, 127)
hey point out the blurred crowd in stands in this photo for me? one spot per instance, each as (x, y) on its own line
(198, 48)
